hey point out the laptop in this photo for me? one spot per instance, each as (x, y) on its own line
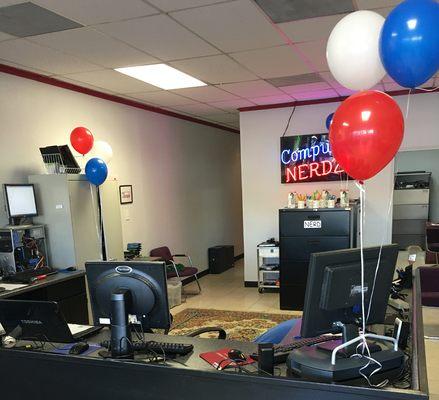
(42, 321)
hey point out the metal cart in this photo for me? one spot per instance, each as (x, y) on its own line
(268, 266)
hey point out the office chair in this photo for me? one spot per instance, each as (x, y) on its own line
(432, 243)
(187, 272)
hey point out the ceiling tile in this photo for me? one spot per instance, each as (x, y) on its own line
(27, 68)
(387, 78)
(292, 90)
(292, 10)
(82, 84)
(159, 36)
(315, 52)
(225, 118)
(428, 84)
(162, 98)
(257, 88)
(90, 12)
(174, 5)
(208, 94)
(112, 80)
(390, 86)
(232, 105)
(28, 19)
(311, 29)
(272, 62)
(23, 52)
(94, 46)
(214, 69)
(282, 98)
(231, 26)
(369, 4)
(317, 94)
(198, 109)
(342, 91)
(383, 11)
(5, 36)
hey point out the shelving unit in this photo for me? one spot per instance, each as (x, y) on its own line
(268, 266)
(411, 204)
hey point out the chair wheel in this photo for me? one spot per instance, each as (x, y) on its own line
(261, 290)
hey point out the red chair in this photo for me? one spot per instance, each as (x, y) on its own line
(165, 254)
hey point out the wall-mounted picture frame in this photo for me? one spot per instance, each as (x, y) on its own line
(126, 194)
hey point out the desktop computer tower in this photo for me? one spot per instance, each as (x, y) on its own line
(221, 258)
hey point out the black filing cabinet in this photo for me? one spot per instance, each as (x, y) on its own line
(306, 231)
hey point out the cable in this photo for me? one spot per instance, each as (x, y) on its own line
(289, 120)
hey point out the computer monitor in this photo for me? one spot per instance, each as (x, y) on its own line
(333, 304)
(333, 290)
(20, 201)
(128, 293)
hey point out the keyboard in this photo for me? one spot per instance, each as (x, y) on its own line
(282, 351)
(28, 276)
(159, 347)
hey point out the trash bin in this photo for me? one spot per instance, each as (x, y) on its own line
(174, 292)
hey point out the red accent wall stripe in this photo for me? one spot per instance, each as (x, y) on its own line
(393, 93)
(7, 69)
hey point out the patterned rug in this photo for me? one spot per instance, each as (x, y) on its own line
(239, 325)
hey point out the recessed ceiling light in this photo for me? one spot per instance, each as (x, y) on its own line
(162, 76)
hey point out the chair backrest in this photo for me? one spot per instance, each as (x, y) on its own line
(432, 234)
(429, 279)
(163, 252)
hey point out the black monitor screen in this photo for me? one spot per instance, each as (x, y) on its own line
(333, 291)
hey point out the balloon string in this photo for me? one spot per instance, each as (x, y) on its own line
(408, 104)
(97, 223)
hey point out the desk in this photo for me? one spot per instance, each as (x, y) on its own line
(43, 376)
(66, 288)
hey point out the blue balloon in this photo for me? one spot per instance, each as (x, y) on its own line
(409, 42)
(329, 120)
(96, 171)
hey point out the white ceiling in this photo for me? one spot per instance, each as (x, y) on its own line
(229, 44)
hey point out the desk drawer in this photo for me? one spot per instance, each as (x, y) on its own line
(411, 196)
(410, 211)
(314, 223)
(301, 248)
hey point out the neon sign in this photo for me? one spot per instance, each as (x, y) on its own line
(308, 158)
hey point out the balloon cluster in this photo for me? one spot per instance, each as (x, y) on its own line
(367, 129)
(96, 168)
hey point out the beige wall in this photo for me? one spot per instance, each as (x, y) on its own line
(263, 194)
(186, 177)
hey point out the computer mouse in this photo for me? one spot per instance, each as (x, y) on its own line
(236, 355)
(78, 348)
(71, 269)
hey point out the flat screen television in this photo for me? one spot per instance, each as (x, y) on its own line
(308, 158)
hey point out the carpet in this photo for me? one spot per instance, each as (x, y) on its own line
(239, 325)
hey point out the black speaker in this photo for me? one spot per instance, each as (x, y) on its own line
(221, 258)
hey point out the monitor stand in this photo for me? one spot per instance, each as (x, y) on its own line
(333, 363)
(121, 341)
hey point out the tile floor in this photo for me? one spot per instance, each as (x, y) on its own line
(226, 292)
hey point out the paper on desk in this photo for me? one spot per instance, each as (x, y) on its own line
(12, 286)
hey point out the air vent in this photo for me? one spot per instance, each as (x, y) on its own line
(293, 10)
(295, 80)
(28, 19)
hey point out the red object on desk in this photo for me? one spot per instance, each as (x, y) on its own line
(219, 359)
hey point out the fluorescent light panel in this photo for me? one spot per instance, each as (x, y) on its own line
(162, 76)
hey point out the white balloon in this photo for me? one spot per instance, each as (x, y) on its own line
(102, 149)
(353, 50)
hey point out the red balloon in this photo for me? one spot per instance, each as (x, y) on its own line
(82, 140)
(366, 132)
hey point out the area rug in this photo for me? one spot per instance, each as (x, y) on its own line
(239, 325)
